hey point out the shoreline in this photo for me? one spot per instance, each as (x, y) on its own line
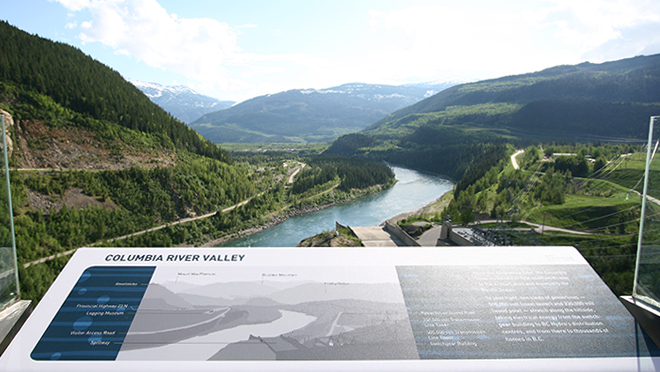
(417, 211)
(276, 220)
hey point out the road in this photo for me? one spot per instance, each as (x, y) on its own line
(334, 325)
(514, 162)
(538, 227)
(183, 220)
(299, 167)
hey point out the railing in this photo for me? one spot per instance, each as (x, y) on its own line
(646, 286)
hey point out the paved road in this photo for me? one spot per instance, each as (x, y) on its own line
(183, 220)
(430, 237)
(514, 161)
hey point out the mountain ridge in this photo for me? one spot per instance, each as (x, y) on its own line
(635, 79)
(308, 115)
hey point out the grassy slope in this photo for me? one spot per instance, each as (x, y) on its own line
(557, 103)
(606, 210)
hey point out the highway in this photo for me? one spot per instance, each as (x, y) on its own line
(297, 170)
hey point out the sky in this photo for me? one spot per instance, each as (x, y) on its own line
(239, 49)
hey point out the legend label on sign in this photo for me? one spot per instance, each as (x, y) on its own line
(95, 318)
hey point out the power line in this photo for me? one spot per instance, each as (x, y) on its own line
(601, 217)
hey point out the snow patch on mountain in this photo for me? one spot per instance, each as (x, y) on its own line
(154, 90)
(182, 102)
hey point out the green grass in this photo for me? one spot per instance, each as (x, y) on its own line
(496, 86)
(638, 161)
(591, 213)
(451, 115)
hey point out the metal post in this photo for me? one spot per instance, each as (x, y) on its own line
(643, 214)
(11, 212)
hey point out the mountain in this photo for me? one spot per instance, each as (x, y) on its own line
(452, 131)
(310, 115)
(94, 159)
(611, 100)
(180, 101)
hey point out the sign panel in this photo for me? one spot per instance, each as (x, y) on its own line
(468, 308)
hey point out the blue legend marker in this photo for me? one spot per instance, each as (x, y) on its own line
(93, 321)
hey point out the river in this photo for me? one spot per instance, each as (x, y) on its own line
(412, 191)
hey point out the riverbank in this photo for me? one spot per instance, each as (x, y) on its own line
(295, 212)
(274, 221)
(434, 207)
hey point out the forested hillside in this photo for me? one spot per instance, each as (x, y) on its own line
(77, 82)
(451, 157)
(95, 159)
(452, 130)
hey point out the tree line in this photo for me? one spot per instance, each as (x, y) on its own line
(351, 173)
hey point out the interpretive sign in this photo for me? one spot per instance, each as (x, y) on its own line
(472, 308)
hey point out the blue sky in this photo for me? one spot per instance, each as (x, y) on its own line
(236, 50)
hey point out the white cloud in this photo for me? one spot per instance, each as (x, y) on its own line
(201, 49)
(194, 47)
(592, 24)
(438, 40)
(73, 5)
(488, 39)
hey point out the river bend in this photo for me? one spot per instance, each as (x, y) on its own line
(412, 191)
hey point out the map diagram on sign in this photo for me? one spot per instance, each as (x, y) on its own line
(261, 313)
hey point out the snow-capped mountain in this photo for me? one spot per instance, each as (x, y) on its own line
(406, 94)
(180, 101)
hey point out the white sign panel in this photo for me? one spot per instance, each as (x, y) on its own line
(290, 309)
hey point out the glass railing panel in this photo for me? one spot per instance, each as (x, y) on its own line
(647, 266)
(9, 289)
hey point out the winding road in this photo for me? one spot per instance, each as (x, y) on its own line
(514, 162)
(299, 167)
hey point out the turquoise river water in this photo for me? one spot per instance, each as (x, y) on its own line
(412, 191)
